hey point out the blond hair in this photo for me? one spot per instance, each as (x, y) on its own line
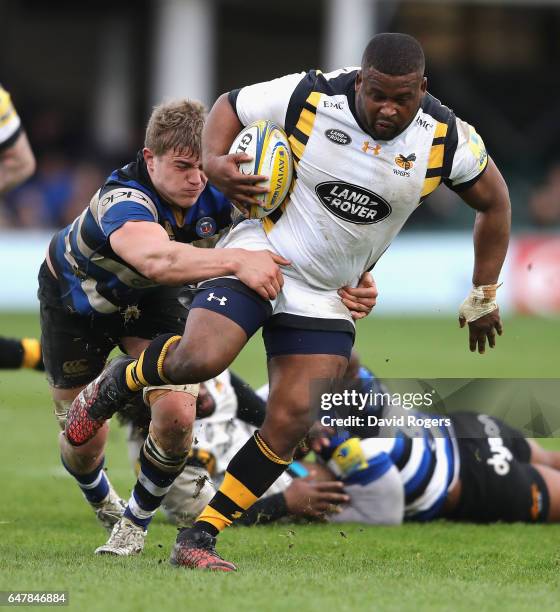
(177, 126)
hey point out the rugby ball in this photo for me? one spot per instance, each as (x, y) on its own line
(268, 145)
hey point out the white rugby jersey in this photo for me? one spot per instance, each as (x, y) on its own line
(10, 124)
(352, 194)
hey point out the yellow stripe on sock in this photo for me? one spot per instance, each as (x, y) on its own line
(130, 381)
(237, 492)
(215, 518)
(161, 358)
(138, 370)
(31, 352)
(269, 454)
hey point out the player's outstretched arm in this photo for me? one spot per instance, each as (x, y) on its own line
(220, 130)
(17, 164)
(146, 246)
(489, 196)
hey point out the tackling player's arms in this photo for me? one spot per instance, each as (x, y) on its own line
(489, 196)
(146, 246)
(17, 164)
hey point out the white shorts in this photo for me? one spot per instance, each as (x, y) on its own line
(297, 296)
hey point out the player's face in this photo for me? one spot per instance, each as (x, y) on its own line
(386, 104)
(177, 176)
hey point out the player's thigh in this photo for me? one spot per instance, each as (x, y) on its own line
(75, 347)
(158, 312)
(223, 315)
(498, 487)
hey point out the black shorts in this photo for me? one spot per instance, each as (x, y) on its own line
(76, 347)
(497, 481)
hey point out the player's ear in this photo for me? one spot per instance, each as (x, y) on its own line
(148, 158)
(358, 81)
(424, 85)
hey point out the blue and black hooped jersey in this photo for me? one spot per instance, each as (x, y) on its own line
(427, 459)
(94, 279)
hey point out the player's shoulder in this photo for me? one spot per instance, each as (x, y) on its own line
(131, 178)
(337, 82)
(433, 107)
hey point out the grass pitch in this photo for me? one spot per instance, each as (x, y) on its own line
(47, 532)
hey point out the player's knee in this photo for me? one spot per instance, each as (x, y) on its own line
(173, 414)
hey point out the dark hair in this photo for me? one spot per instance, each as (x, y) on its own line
(394, 53)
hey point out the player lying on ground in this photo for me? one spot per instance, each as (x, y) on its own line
(16, 353)
(476, 469)
(228, 411)
(17, 162)
(369, 145)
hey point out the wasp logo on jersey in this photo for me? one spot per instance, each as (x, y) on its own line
(405, 161)
(352, 203)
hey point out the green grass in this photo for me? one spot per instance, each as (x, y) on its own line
(47, 533)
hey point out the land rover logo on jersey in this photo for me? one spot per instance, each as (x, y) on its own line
(338, 137)
(206, 227)
(405, 161)
(352, 203)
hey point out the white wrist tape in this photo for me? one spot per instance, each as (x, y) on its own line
(480, 301)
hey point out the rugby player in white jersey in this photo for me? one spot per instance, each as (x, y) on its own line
(369, 145)
(17, 162)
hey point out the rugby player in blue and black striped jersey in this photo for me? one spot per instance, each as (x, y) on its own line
(113, 278)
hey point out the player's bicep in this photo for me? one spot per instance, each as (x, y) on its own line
(139, 243)
(268, 100)
(490, 190)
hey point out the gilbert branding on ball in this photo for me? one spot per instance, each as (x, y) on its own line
(268, 145)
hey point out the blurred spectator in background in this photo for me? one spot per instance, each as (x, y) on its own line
(17, 162)
(544, 204)
(66, 178)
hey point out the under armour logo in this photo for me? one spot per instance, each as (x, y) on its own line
(367, 147)
(222, 300)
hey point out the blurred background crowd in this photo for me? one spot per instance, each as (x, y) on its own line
(84, 77)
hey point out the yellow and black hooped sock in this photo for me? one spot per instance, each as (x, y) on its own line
(249, 474)
(147, 370)
(24, 353)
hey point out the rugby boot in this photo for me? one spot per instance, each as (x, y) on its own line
(98, 402)
(126, 539)
(195, 549)
(110, 510)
